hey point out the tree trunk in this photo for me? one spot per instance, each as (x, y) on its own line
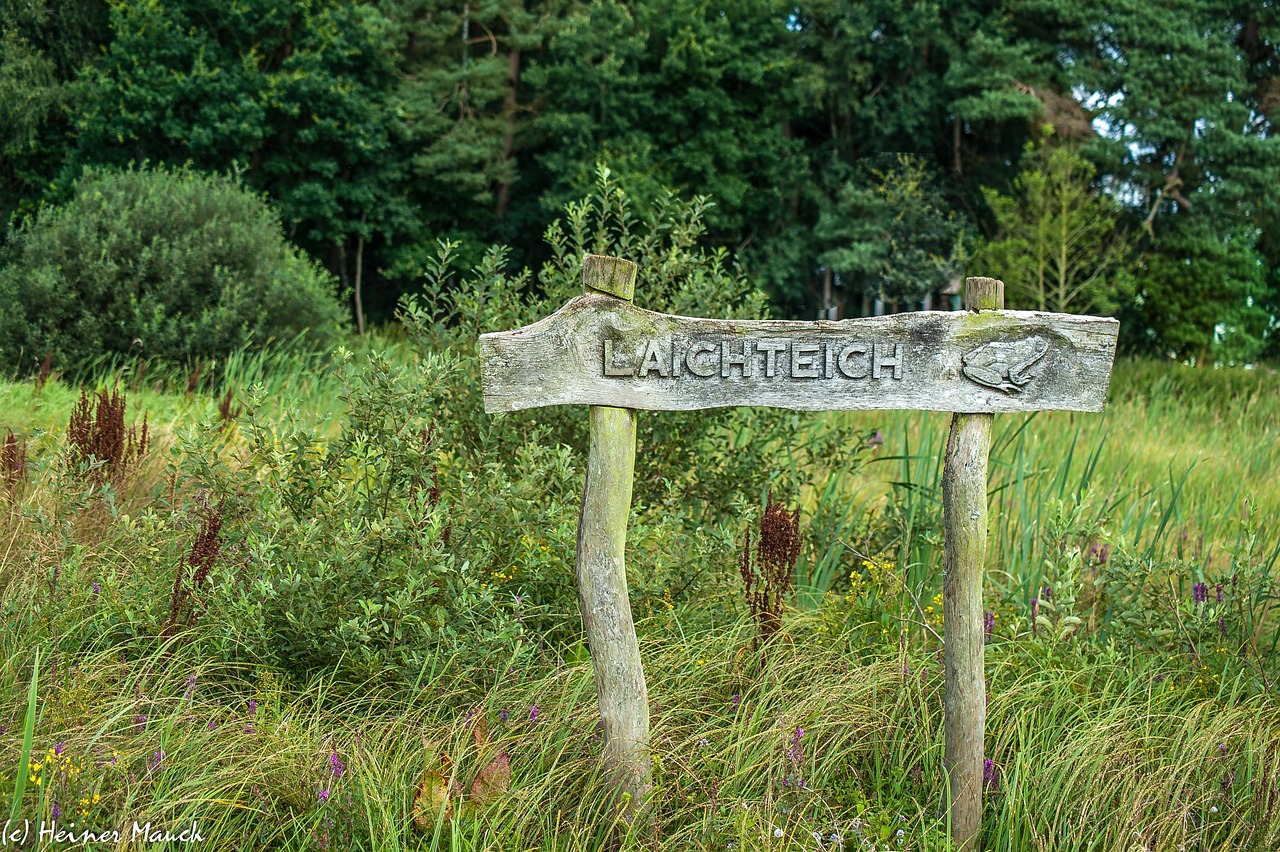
(509, 106)
(340, 248)
(359, 277)
(956, 135)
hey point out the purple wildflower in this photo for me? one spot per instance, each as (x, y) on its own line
(55, 811)
(253, 707)
(1222, 627)
(336, 766)
(988, 623)
(1159, 678)
(213, 723)
(533, 713)
(97, 587)
(1047, 594)
(1219, 593)
(156, 760)
(795, 756)
(736, 699)
(990, 774)
(1222, 750)
(59, 748)
(191, 687)
(1199, 592)
(324, 795)
(139, 721)
(503, 715)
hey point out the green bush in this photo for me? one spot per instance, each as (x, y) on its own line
(164, 264)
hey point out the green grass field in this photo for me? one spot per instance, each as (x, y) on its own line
(1132, 705)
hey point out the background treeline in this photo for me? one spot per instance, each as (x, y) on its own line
(1113, 157)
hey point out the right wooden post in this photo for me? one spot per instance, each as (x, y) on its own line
(964, 512)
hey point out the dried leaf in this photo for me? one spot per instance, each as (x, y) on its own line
(480, 730)
(434, 797)
(493, 781)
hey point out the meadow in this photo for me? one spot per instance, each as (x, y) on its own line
(279, 702)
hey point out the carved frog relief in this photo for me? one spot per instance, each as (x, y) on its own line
(1005, 365)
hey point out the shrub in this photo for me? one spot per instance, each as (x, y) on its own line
(166, 264)
(697, 472)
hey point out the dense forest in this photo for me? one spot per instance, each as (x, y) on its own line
(860, 156)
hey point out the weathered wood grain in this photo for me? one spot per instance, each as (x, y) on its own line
(598, 350)
(602, 577)
(964, 520)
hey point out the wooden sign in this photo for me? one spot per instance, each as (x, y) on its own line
(601, 350)
(598, 350)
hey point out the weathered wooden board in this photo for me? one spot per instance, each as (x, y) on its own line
(597, 350)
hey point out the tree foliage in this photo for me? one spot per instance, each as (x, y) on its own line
(379, 128)
(164, 264)
(1059, 244)
(891, 233)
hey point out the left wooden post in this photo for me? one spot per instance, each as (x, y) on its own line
(964, 515)
(602, 575)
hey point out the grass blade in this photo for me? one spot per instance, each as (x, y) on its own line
(28, 734)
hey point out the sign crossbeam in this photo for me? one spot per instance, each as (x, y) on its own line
(597, 350)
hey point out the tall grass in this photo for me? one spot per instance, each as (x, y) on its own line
(1170, 473)
(837, 732)
(822, 740)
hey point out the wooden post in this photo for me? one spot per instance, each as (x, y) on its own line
(602, 576)
(964, 511)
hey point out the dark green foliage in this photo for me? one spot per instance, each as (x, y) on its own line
(890, 234)
(677, 94)
(31, 107)
(163, 264)
(1200, 294)
(380, 128)
(293, 95)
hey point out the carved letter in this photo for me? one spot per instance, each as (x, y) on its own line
(653, 362)
(803, 365)
(610, 367)
(845, 360)
(771, 350)
(728, 359)
(880, 360)
(702, 368)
